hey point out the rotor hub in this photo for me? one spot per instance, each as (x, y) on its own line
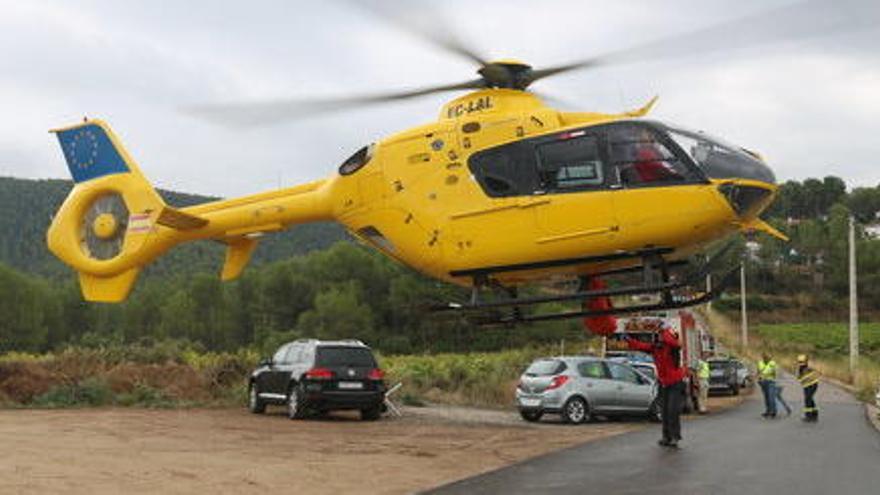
(105, 226)
(506, 73)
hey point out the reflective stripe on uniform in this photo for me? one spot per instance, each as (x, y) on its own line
(809, 378)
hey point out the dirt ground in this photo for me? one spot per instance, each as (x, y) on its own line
(232, 451)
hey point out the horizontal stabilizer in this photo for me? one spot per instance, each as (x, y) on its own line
(238, 254)
(179, 220)
(108, 289)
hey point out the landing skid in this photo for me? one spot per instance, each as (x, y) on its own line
(656, 280)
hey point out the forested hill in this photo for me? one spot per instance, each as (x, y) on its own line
(27, 206)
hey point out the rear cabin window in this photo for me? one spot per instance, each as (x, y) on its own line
(570, 164)
(545, 367)
(329, 357)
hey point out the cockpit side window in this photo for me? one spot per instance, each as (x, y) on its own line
(641, 158)
(570, 164)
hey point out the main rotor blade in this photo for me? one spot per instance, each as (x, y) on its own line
(249, 114)
(425, 22)
(802, 20)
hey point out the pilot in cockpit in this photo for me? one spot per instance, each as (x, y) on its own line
(650, 164)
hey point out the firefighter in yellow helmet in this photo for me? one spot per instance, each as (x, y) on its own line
(809, 379)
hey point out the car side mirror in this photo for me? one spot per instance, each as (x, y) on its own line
(266, 362)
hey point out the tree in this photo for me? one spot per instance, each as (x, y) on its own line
(338, 314)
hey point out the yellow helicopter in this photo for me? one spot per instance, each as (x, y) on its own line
(499, 192)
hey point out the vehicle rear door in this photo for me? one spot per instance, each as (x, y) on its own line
(350, 366)
(599, 388)
(632, 391)
(573, 184)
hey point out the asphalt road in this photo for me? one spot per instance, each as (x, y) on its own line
(734, 452)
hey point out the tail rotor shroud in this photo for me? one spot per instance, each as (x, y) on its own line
(104, 226)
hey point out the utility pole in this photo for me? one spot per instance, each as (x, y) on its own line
(744, 317)
(708, 286)
(853, 301)
(709, 290)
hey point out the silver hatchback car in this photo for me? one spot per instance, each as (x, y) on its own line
(580, 388)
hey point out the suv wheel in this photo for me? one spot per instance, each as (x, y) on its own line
(734, 390)
(295, 407)
(255, 404)
(576, 410)
(371, 413)
(531, 416)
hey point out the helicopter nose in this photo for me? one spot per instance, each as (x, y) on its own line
(748, 183)
(747, 197)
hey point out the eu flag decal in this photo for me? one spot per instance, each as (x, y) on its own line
(90, 153)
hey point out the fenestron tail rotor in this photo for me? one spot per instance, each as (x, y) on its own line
(103, 227)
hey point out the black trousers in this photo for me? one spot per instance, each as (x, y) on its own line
(671, 398)
(810, 409)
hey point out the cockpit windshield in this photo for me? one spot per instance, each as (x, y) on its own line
(720, 160)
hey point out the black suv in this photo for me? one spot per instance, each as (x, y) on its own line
(314, 376)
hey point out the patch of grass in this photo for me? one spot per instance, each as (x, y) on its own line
(822, 339)
(92, 391)
(145, 396)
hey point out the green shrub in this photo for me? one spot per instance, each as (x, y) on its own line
(93, 391)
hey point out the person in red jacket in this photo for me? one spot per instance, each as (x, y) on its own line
(666, 350)
(650, 165)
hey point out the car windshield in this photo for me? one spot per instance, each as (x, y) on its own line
(344, 356)
(545, 367)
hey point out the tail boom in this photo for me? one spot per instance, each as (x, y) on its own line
(113, 222)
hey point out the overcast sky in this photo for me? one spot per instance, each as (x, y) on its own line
(810, 107)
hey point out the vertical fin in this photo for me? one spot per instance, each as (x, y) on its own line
(238, 254)
(108, 289)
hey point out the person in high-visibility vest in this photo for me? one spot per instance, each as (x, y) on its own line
(703, 376)
(809, 379)
(767, 380)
